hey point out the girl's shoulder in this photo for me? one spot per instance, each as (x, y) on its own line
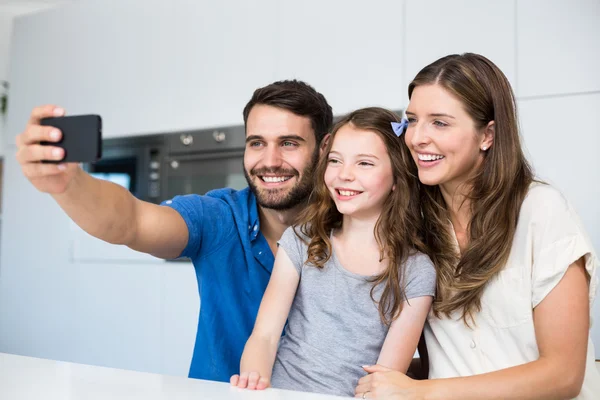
(295, 233)
(419, 263)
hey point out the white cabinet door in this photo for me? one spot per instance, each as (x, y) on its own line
(350, 51)
(562, 138)
(436, 28)
(558, 46)
(161, 67)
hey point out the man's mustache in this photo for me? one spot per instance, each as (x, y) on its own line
(274, 171)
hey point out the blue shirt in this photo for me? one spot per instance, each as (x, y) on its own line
(233, 264)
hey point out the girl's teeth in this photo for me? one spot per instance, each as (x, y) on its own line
(275, 179)
(347, 193)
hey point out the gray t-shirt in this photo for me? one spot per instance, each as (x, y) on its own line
(334, 326)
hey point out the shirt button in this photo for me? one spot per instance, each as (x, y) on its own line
(473, 344)
(260, 253)
(255, 228)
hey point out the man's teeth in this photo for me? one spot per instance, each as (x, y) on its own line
(275, 179)
(348, 192)
(430, 157)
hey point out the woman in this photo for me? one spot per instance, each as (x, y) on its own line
(516, 271)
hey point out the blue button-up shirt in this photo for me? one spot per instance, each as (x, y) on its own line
(233, 263)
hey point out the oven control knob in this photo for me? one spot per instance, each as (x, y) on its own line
(219, 136)
(186, 139)
(154, 165)
(174, 164)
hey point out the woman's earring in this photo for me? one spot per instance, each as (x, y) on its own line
(484, 148)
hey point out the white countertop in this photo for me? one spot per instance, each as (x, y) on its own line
(27, 378)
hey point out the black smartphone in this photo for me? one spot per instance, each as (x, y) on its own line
(81, 137)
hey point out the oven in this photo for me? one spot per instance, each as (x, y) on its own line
(200, 161)
(158, 167)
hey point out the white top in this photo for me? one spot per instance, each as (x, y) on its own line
(27, 378)
(549, 237)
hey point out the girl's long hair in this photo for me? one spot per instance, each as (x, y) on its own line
(399, 227)
(496, 191)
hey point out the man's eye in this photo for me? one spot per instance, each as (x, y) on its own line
(288, 144)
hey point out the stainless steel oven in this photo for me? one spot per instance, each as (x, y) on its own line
(199, 161)
(158, 167)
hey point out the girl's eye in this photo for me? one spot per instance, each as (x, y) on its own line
(365, 164)
(333, 161)
(440, 124)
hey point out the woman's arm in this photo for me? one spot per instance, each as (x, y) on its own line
(260, 350)
(404, 333)
(562, 327)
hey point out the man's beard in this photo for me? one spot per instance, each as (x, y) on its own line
(283, 199)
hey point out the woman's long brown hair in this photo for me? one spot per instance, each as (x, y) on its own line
(399, 226)
(496, 191)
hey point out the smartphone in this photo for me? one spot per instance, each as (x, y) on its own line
(81, 137)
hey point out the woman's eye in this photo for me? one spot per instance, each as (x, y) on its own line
(440, 123)
(411, 120)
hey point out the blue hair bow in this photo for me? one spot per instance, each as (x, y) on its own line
(400, 127)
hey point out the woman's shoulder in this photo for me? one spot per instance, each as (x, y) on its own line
(543, 201)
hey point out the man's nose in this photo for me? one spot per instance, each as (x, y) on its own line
(272, 157)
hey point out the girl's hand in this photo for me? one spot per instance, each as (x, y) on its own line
(383, 382)
(250, 380)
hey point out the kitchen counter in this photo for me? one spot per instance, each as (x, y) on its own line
(28, 378)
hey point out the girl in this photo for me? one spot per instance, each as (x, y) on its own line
(517, 273)
(348, 278)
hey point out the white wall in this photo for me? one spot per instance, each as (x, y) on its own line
(8, 11)
(149, 66)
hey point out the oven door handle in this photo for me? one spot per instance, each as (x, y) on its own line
(206, 156)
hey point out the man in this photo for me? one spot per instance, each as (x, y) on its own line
(231, 236)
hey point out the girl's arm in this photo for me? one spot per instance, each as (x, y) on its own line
(562, 327)
(404, 333)
(259, 353)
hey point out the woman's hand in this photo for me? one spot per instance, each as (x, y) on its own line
(385, 383)
(250, 380)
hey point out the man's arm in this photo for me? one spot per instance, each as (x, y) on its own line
(103, 209)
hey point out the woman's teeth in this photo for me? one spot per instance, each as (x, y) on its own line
(429, 157)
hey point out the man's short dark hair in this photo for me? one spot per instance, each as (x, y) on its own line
(299, 98)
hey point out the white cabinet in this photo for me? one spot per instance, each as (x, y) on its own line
(163, 66)
(351, 51)
(436, 28)
(563, 147)
(558, 46)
